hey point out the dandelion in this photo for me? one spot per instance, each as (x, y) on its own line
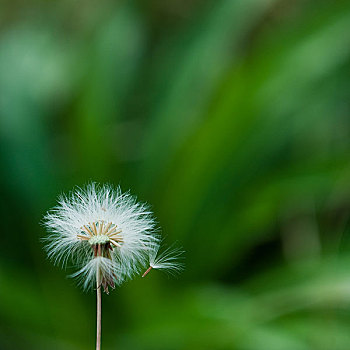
(107, 235)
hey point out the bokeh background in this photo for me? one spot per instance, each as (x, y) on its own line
(231, 119)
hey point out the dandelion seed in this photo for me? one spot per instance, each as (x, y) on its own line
(107, 235)
(167, 260)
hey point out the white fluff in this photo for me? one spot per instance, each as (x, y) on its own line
(87, 274)
(94, 204)
(166, 260)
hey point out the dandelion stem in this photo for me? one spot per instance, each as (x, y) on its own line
(98, 315)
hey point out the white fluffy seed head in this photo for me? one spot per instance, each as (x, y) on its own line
(104, 217)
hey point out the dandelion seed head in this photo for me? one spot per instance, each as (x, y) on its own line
(99, 228)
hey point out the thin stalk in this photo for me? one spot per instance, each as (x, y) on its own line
(99, 311)
(98, 323)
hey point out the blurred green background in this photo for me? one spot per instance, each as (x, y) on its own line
(231, 118)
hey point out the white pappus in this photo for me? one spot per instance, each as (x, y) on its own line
(167, 260)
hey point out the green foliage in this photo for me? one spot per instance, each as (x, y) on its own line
(230, 117)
